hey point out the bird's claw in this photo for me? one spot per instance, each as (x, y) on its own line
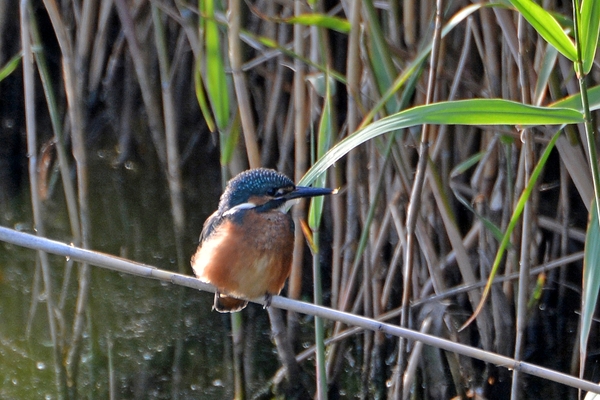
(268, 298)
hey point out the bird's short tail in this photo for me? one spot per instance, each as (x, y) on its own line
(226, 304)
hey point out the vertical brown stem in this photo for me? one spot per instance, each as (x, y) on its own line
(29, 86)
(71, 64)
(239, 82)
(414, 203)
(300, 157)
(525, 259)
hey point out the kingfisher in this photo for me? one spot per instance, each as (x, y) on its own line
(246, 246)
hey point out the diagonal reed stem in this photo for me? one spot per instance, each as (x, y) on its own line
(147, 271)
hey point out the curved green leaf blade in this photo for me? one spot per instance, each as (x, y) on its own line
(216, 81)
(574, 101)
(324, 21)
(201, 98)
(547, 26)
(591, 280)
(515, 217)
(463, 112)
(326, 132)
(10, 66)
(488, 224)
(229, 140)
(465, 165)
(413, 67)
(589, 32)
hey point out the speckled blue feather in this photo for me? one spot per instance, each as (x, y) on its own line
(254, 182)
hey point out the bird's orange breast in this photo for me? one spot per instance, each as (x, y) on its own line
(247, 258)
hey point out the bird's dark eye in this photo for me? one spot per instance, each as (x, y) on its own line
(278, 192)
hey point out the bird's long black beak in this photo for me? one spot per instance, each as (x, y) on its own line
(303, 191)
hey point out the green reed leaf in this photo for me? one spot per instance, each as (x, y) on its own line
(591, 279)
(547, 26)
(321, 20)
(10, 66)
(589, 30)
(462, 112)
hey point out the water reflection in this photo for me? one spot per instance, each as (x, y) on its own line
(143, 338)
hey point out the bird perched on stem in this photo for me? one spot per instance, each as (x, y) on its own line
(246, 245)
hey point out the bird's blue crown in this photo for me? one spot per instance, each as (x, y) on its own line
(254, 182)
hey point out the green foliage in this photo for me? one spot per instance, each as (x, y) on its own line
(324, 140)
(463, 112)
(462, 168)
(589, 32)
(201, 98)
(574, 101)
(547, 26)
(216, 82)
(380, 58)
(323, 21)
(229, 140)
(10, 66)
(591, 279)
(514, 219)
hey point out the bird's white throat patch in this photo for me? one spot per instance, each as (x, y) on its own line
(247, 206)
(239, 207)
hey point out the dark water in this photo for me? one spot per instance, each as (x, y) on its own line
(143, 338)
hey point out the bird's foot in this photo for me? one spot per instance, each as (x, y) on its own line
(224, 303)
(268, 298)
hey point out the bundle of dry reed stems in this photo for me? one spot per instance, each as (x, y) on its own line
(411, 238)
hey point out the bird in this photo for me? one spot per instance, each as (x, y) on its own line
(246, 245)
